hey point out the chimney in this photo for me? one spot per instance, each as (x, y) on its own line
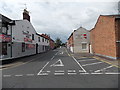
(26, 15)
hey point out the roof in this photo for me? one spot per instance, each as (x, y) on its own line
(70, 35)
(45, 36)
(52, 40)
(75, 31)
(41, 35)
(112, 16)
(5, 19)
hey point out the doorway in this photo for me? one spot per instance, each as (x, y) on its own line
(36, 48)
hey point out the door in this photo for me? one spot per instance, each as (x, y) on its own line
(36, 48)
(4, 48)
(118, 50)
(90, 49)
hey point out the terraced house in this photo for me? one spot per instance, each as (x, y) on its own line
(105, 36)
(18, 38)
(79, 40)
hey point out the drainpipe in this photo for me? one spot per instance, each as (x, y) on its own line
(11, 23)
(11, 40)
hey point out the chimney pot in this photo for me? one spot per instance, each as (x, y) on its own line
(26, 15)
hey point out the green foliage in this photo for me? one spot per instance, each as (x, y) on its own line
(58, 42)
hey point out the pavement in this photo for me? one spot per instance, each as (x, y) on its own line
(60, 69)
(112, 62)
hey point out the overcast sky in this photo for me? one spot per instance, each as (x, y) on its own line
(59, 17)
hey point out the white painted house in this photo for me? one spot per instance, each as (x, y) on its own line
(18, 38)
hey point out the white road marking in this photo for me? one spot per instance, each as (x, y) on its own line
(43, 74)
(112, 73)
(92, 63)
(103, 69)
(43, 68)
(29, 74)
(6, 75)
(86, 60)
(56, 53)
(97, 73)
(81, 71)
(79, 64)
(72, 73)
(18, 75)
(55, 64)
(58, 73)
(61, 53)
(52, 57)
(84, 73)
(46, 71)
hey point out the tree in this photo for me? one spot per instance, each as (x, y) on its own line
(58, 42)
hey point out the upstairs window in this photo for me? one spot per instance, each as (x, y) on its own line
(42, 39)
(38, 39)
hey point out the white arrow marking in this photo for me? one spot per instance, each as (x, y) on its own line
(61, 53)
(55, 64)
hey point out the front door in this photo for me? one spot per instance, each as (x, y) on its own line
(118, 50)
(36, 48)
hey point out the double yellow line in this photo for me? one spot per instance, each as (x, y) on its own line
(67, 52)
(99, 60)
(106, 62)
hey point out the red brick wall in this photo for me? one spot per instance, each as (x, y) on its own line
(70, 41)
(52, 44)
(103, 38)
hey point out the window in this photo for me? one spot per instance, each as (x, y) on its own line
(38, 39)
(42, 39)
(32, 36)
(84, 45)
(23, 47)
(4, 30)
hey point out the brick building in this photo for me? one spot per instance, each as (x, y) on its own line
(70, 43)
(51, 42)
(105, 36)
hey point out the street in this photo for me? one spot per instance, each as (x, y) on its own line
(60, 69)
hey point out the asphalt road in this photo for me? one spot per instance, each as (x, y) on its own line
(59, 69)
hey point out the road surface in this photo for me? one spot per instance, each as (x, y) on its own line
(58, 69)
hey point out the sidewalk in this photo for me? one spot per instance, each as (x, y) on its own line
(112, 62)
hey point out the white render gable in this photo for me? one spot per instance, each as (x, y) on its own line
(19, 30)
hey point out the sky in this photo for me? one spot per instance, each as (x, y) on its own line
(59, 18)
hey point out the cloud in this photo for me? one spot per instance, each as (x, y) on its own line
(59, 17)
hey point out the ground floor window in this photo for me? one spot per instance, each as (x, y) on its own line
(30, 46)
(84, 46)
